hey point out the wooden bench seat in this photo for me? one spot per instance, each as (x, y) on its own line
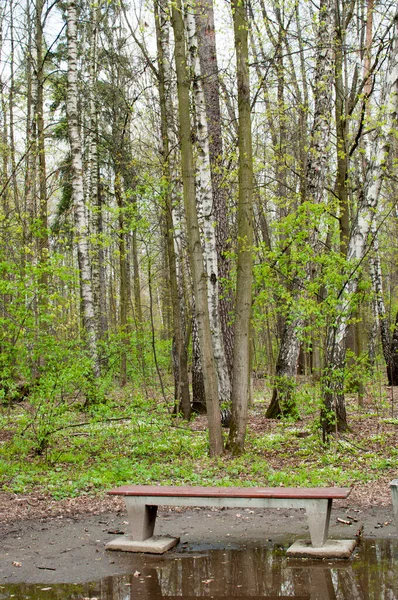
(142, 502)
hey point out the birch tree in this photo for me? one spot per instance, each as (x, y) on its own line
(94, 187)
(194, 242)
(209, 70)
(81, 226)
(206, 209)
(333, 416)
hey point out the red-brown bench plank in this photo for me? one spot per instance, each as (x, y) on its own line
(328, 493)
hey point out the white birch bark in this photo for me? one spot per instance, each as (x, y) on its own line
(193, 238)
(206, 36)
(324, 78)
(206, 209)
(94, 200)
(81, 228)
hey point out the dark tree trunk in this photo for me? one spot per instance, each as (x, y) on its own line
(392, 367)
(240, 395)
(282, 402)
(198, 386)
(333, 413)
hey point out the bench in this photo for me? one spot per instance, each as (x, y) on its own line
(142, 502)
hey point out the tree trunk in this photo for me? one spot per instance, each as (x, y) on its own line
(241, 358)
(39, 115)
(41, 223)
(130, 185)
(194, 243)
(377, 284)
(204, 19)
(124, 299)
(333, 415)
(282, 402)
(320, 133)
(94, 188)
(393, 370)
(198, 385)
(205, 202)
(78, 191)
(342, 132)
(182, 396)
(136, 276)
(368, 49)
(30, 162)
(11, 102)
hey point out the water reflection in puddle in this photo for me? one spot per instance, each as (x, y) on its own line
(372, 574)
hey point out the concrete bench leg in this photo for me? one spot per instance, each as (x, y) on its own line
(142, 519)
(394, 497)
(318, 514)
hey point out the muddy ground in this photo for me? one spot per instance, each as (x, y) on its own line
(69, 547)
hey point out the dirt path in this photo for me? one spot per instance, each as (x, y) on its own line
(69, 547)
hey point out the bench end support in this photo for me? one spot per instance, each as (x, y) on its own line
(142, 519)
(318, 515)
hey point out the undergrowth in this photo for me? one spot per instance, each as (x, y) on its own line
(68, 452)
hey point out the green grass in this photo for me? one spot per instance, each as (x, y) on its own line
(137, 441)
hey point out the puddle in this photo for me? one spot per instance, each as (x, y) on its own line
(371, 574)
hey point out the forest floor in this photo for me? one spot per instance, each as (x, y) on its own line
(44, 540)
